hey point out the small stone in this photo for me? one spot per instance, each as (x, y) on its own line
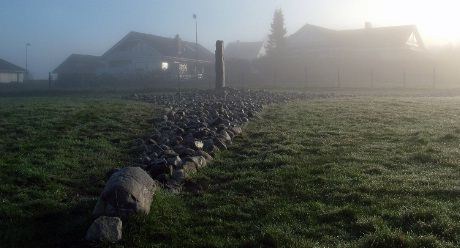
(178, 176)
(158, 169)
(105, 229)
(184, 151)
(220, 144)
(198, 144)
(175, 161)
(208, 145)
(225, 136)
(199, 161)
(170, 153)
(189, 168)
(205, 155)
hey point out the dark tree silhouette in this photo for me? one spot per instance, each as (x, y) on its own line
(277, 37)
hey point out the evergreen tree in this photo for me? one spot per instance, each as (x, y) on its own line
(277, 37)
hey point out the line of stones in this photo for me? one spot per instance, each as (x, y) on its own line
(196, 125)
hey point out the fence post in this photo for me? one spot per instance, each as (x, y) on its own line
(339, 79)
(178, 81)
(404, 79)
(49, 80)
(372, 77)
(220, 65)
(306, 76)
(434, 77)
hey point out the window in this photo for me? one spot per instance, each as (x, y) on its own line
(183, 68)
(164, 66)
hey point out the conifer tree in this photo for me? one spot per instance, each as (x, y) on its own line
(277, 38)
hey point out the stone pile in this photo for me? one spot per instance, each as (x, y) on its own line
(194, 127)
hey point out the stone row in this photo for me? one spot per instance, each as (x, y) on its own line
(195, 126)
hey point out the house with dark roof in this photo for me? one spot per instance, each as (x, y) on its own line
(11, 73)
(143, 54)
(80, 64)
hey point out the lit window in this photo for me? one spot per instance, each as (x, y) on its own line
(164, 66)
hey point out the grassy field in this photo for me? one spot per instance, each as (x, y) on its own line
(54, 153)
(350, 172)
(356, 172)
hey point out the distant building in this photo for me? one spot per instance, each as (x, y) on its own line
(244, 50)
(140, 54)
(328, 42)
(10, 73)
(79, 67)
(316, 56)
(384, 42)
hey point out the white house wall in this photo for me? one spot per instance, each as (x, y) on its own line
(11, 77)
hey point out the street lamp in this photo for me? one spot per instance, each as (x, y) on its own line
(27, 69)
(195, 17)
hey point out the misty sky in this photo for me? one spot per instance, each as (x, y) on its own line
(58, 28)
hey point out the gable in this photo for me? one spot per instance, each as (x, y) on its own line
(132, 47)
(398, 37)
(6, 66)
(79, 63)
(140, 44)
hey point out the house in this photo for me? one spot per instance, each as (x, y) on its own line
(244, 50)
(10, 73)
(381, 55)
(382, 42)
(322, 55)
(311, 39)
(79, 67)
(139, 54)
(146, 53)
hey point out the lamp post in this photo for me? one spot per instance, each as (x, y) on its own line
(195, 17)
(27, 68)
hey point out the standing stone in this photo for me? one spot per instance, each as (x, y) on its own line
(105, 229)
(128, 191)
(220, 65)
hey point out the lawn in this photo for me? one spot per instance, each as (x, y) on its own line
(54, 153)
(343, 172)
(356, 172)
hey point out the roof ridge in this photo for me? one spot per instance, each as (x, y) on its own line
(16, 67)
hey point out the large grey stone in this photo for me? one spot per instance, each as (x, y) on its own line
(128, 191)
(105, 229)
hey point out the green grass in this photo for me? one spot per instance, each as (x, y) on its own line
(54, 153)
(358, 172)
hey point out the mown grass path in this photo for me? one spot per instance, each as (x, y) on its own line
(358, 172)
(54, 153)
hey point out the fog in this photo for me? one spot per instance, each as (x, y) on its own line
(57, 29)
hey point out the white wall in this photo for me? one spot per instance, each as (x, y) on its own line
(7, 77)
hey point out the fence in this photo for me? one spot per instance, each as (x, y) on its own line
(352, 73)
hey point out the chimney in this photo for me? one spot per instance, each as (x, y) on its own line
(368, 25)
(178, 45)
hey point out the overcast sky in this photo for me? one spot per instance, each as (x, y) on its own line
(58, 28)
